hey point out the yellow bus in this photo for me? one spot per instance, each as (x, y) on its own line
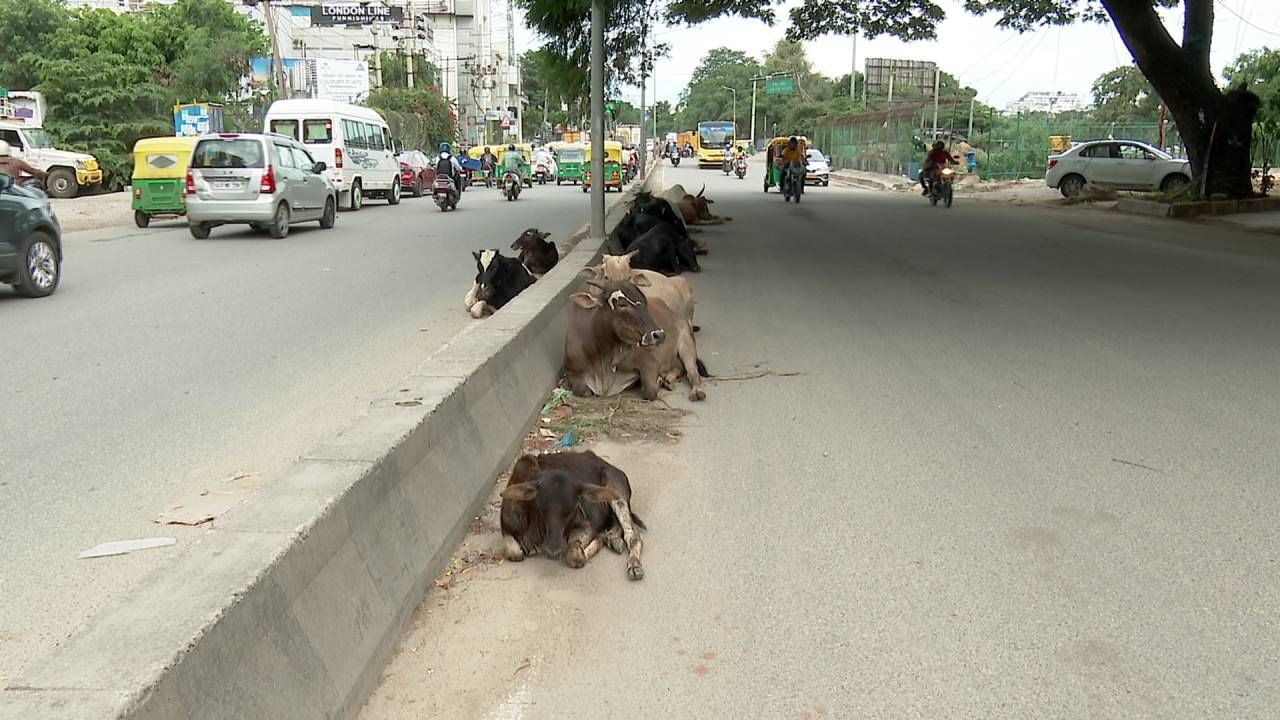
(708, 143)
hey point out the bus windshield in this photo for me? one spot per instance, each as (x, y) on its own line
(714, 134)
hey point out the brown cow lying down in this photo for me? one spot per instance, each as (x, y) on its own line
(567, 505)
(674, 291)
(603, 355)
(694, 209)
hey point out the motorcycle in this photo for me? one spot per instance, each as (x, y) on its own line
(488, 176)
(675, 158)
(740, 167)
(511, 186)
(726, 165)
(445, 194)
(793, 183)
(540, 173)
(940, 187)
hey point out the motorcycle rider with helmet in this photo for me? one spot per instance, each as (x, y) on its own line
(448, 166)
(511, 162)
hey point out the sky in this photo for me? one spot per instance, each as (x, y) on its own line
(1001, 64)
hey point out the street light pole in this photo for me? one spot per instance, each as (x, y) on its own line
(597, 120)
(735, 107)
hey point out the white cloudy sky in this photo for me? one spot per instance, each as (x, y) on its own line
(1001, 64)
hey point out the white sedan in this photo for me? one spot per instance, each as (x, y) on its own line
(817, 170)
(1117, 165)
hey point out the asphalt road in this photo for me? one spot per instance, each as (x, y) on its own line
(1027, 470)
(164, 365)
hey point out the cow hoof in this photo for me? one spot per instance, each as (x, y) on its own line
(617, 544)
(574, 557)
(635, 572)
(700, 251)
(697, 394)
(511, 549)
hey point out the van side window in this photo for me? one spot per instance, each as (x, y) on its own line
(11, 137)
(386, 139)
(317, 132)
(354, 133)
(374, 135)
(285, 127)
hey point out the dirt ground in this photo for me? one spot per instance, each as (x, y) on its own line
(92, 212)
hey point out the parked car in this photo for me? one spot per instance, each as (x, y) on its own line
(1116, 165)
(69, 172)
(353, 142)
(30, 240)
(816, 170)
(268, 181)
(416, 172)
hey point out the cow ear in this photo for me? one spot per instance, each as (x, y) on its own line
(585, 300)
(520, 492)
(592, 272)
(525, 469)
(475, 255)
(544, 235)
(599, 493)
(631, 255)
(640, 280)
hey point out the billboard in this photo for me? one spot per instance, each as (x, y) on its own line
(341, 80)
(909, 76)
(330, 14)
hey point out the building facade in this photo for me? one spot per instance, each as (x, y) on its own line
(1047, 102)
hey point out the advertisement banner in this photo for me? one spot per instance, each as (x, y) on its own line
(342, 80)
(329, 14)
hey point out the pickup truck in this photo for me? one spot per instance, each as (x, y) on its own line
(69, 172)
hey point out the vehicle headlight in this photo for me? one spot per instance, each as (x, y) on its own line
(80, 165)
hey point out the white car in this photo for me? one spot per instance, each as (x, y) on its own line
(816, 170)
(1116, 165)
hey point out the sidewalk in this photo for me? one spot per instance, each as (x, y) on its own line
(94, 212)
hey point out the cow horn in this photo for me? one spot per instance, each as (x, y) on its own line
(595, 284)
(704, 189)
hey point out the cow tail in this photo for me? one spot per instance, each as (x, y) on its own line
(702, 369)
(639, 523)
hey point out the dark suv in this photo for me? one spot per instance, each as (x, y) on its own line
(30, 240)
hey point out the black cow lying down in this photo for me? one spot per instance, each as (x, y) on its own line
(567, 505)
(537, 253)
(498, 280)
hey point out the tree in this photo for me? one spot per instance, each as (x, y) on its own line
(1123, 95)
(1260, 72)
(705, 98)
(421, 118)
(24, 30)
(1216, 125)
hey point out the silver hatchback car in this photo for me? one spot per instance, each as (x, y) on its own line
(268, 181)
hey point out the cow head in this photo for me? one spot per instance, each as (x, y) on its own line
(702, 206)
(494, 271)
(626, 308)
(529, 239)
(616, 268)
(556, 498)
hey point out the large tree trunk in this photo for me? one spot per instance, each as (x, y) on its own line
(1216, 127)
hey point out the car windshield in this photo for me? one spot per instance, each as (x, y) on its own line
(38, 138)
(815, 156)
(227, 153)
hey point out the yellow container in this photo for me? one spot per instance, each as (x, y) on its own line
(1059, 143)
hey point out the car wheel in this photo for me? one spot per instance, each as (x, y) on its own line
(1174, 183)
(393, 195)
(357, 197)
(199, 231)
(279, 227)
(41, 267)
(1071, 185)
(141, 219)
(61, 183)
(330, 214)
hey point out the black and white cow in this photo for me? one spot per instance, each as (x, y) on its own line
(498, 280)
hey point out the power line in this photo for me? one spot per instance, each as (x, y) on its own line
(1245, 20)
(984, 57)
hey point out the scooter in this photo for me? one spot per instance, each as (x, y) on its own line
(511, 186)
(540, 173)
(445, 194)
(793, 184)
(675, 158)
(726, 166)
(740, 167)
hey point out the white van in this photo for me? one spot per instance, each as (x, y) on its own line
(353, 141)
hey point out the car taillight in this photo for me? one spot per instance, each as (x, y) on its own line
(268, 186)
(337, 158)
(404, 167)
(1052, 162)
(191, 184)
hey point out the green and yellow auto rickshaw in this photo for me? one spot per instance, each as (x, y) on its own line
(570, 162)
(612, 167)
(159, 177)
(773, 173)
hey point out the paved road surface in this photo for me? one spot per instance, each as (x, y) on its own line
(1029, 471)
(164, 364)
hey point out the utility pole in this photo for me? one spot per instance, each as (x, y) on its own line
(853, 70)
(889, 103)
(277, 70)
(413, 40)
(597, 120)
(937, 83)
(644, 155)
(970, 135)
(735, 107)
(753, 112)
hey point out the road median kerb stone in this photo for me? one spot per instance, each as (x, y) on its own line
(290, 605)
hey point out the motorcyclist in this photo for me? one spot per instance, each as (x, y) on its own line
(937, 159)
(448, 166)
(543, 156)
(488, 161)
(511, 162)
(15, 167)
(790, 155)
(688, 149)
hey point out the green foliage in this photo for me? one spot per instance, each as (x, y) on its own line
(395, 71)
(1124, 95)
(110, 79)
(421, 118)
(1260, 72)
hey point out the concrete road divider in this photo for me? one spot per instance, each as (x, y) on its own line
(290, 606)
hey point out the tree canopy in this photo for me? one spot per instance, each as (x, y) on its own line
(1124, 95)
